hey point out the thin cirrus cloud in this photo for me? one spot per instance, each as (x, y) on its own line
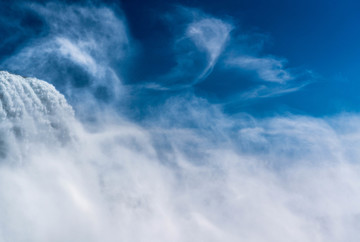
(263, 91)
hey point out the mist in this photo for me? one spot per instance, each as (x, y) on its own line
(74, 166)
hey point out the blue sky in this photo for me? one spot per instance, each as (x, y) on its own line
(320, 36)
(316, 42)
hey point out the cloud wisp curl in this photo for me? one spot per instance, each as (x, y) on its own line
(198, 43)
(211, 35)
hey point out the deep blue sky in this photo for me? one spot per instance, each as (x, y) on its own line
(321, 37)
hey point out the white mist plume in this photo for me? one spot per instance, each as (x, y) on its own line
(123, 182)
(193, 174)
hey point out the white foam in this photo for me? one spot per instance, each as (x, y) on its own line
(31, 110)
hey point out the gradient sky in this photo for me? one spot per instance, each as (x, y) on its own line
(317, 42)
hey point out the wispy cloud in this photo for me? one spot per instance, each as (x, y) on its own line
(267, 68)
(75, 53)
(268, 75)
